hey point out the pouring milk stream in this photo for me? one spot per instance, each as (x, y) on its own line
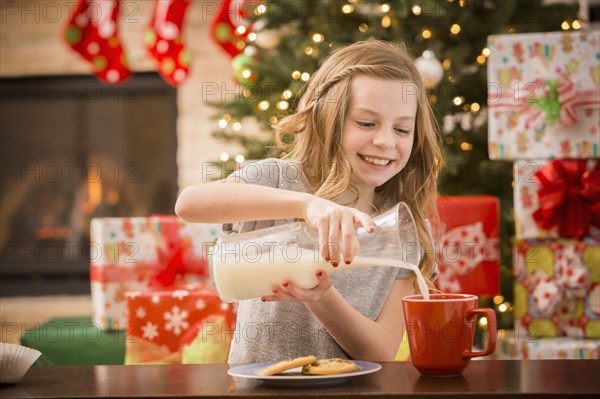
(248, 265)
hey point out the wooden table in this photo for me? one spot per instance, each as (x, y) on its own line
(482, 379)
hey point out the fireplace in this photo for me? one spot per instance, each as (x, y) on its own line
(73, 149)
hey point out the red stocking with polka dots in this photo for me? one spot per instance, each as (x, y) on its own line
(92, 32)
(165, 41)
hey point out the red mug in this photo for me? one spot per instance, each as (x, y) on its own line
(440, 332)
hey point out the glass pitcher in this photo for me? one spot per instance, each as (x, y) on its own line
(248, 265)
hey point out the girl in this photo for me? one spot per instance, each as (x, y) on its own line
(363, 139)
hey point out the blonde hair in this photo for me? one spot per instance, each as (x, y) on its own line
(314, 133)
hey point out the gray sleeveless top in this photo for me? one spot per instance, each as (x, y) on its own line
(269, 331)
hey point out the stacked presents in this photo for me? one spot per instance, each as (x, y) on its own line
(544, 113)
(150, 278)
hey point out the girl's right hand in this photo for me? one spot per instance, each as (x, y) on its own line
(336, 225)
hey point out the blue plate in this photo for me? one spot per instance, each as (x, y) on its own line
(295, 378)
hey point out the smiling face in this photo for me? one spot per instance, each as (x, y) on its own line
(378, 132)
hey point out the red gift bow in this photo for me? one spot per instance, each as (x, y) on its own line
(568, 197)
(571, 280)
(174, 255)
(461, 251)
(561, 92)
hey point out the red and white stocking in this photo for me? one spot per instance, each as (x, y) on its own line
(165, 41)
(230, 16)
(92, 32)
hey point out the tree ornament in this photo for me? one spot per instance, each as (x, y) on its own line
(243, 70)
(466, 121)
(92, 32)
(250, 51)
(164, 40)
(431, 69)
(224, 27)
(448, 124)
(268, 39)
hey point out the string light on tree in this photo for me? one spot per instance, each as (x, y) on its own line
(224, 157)
(261, 9)
(431, 68)
(224, 121)
(503, 307)
(347, 8)
(386, 21)
(243, 67)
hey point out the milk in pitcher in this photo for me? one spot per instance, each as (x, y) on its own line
(246, 274)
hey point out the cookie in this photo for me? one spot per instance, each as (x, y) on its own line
(284, 365)
(330, 366)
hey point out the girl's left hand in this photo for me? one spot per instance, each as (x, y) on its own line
(290, 292)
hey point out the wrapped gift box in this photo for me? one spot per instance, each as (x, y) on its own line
(189, 324)
(559, 198)
(515, 346)
(466, 244)
(543, 95)
(557, 287)
(134, 253)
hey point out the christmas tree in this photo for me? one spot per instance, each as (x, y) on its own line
(288, 38)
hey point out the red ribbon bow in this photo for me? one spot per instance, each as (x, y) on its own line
(568, 197)
(174, 256)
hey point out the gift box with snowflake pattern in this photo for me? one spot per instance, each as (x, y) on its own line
(189, 324)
